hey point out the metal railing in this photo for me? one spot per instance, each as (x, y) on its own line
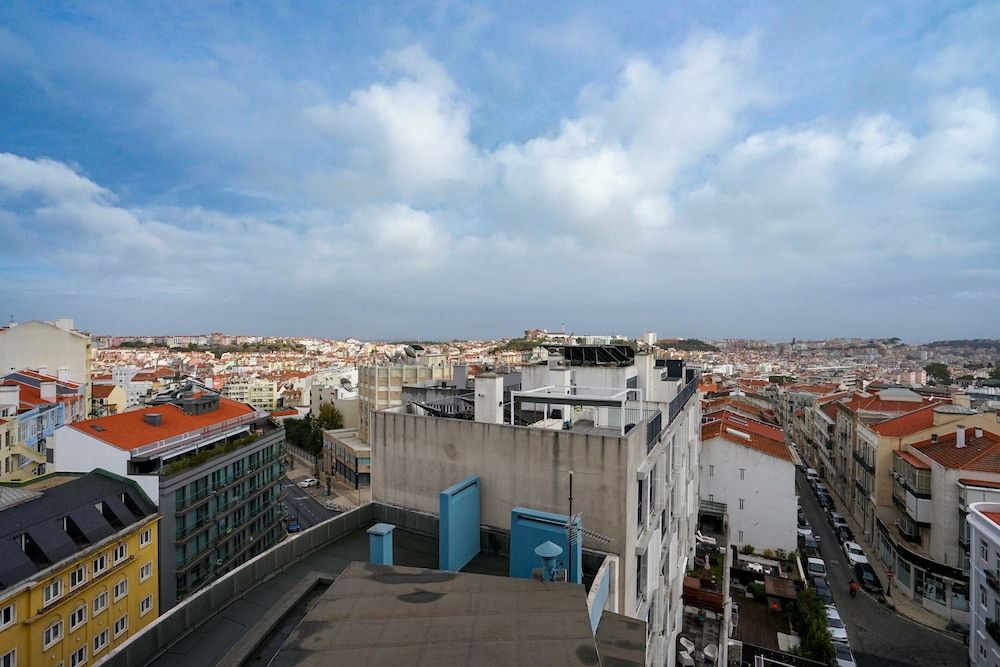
(165, 444)
(677, 405)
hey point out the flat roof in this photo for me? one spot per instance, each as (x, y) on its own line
(383, 614)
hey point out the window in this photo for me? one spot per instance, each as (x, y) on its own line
(121, 625)
(53, 633)
(742, 503)
(984, 551)
(78, 617)
(145, 537)
(53, 591)
(100, 603)
(100, 641)
(121, 588)
(146, 605)
(120, 552)
(79, 657)
(740, 537)
(77, 577)
(9, 659)
(982, 596)
(743, 474)
(100, 564)
(146, 572)
(8, 615)
(711, 471)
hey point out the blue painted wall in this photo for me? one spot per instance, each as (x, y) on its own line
(528, 529)
(380, 543)
(458, 534)
(603, 589)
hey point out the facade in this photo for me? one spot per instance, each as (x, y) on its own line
(258, 392)
(79, 573)
(47, 347)
(984, 630)
(347, 458)
(631, 449)
(107, 399)
(747, 465)
(212, 466)
(381, 387)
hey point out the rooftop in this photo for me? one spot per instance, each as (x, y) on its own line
(741, 435)
(980, 453)
(908, 423)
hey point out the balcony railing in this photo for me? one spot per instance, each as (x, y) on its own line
(992, 580)
(681, 399)
(993, 629)
(861, 459)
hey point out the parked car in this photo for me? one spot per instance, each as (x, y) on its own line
(835, 624)
(811, 475)
(845, 534)
(809, 546)
(825, 501)
(822, 488)
(838, 521)
(855, 554)
(867, 579)
(823, 589)
(294, 527)
(307, 482)
(844, 656)
(815, 567)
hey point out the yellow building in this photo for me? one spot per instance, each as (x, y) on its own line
(78, 569)
(108, 399)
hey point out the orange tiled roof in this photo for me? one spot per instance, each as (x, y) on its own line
(908, 423)
(993, 516)
(981, 454)
(102, 390)
(830, 410)
(873, 403)
(985, 483)
(761, 443)
(741, 423)
(286, 412)
(128, 430)
(913, 460)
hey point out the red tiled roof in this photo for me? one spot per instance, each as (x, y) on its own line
(102, 390)
(832, 397)
(830, 410)
(741, 423)
(128, 430)
(285, 412)
(874, 403)
(763, 444)
(913, 460)
(982, 454)
(908, 423)
(49, 378)
(993, 516)
(985, 483)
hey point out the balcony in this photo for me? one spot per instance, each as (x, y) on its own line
(993, 629)
(862, 462)
(992, 580)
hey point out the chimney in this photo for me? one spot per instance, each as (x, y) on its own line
(47, 390)
(548, 552)
(489, 398)
(65, 323)
(960, 436)
(979, 432)
(934, 438)
(153, 418)
(63, 374)
(380, 543)
(10, 394)
(43, 370)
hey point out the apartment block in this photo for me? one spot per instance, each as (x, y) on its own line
(381, 387)
(47, 347)
(258, 392)
(984, 629)
(79, 569)
(212, 465)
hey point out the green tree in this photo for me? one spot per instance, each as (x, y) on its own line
(329, 417)
(938, 372)
(809, 619)
(297, 432)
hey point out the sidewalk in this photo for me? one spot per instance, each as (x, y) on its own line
(341, 498)
(903, 604)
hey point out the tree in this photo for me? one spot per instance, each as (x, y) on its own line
(329, 417)
(938, 372)
(297, 432)
(809, 619)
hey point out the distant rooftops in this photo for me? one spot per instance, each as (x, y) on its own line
(61, 521)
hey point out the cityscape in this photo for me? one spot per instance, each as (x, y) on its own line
(460, 333)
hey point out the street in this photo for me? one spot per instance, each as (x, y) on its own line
(878, 636)
(306, 509)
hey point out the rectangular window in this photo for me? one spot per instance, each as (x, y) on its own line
(79, 657)
(53, 633)
(100, 641)
(120, 552)
(121, 625)
(9, 659)
(984, 551)
(740, 539)
(146, 605)
(78, 617)
(121, 588)
(8, 615)
(53, 591)
(742, 503)
(100, 564)
(78, 577)
(711, 471)
(100, 603)
(145, 537)
(146, 572)
(743, 474)
(982, 596)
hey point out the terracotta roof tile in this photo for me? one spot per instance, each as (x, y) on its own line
(761, 443)
(102, 390)
(908, 423)
(981, 454)
(993, 516)
(985, 483)
(913, 460)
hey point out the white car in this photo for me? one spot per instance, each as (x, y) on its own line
(838, 631)
(844, 656)
(854, 553)
(307, 482)
(815, 567)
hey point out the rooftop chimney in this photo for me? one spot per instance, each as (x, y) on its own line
(153, 418)
(380, 543)
(43, 370)
(979, 432)
(489, 398)
(63, 374)
(960, 436)
(934, 438)
(65, 323)
(10, 394)
(47, 390)
(548, 552)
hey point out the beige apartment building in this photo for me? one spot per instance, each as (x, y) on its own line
(258, 392)
(51, 348)
(381, 387)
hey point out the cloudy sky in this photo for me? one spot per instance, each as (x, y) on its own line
(390, 170)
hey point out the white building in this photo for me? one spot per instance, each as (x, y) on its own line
(50, 348)
(984, 630)
(748, 466)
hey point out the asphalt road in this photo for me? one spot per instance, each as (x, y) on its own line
(306, 509)
(878, 637)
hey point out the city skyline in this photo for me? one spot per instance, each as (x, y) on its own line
(445, 170)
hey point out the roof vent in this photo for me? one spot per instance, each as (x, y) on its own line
(979, 432)
(959, 436)
(738, 434)
(153, 418)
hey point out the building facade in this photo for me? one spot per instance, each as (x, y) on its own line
(80, 569)
(984, 630)
(381, 387)
(258, 392)
(47, 347)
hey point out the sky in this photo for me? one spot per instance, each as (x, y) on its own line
(463, 170)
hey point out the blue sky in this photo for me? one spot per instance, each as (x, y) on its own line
(458, 170)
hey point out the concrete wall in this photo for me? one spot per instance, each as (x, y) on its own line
(34, 344)
(768, 519)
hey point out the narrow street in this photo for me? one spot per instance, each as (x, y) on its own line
(306, 509)
(878, 636)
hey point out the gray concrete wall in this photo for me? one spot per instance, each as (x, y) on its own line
(415, 457)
